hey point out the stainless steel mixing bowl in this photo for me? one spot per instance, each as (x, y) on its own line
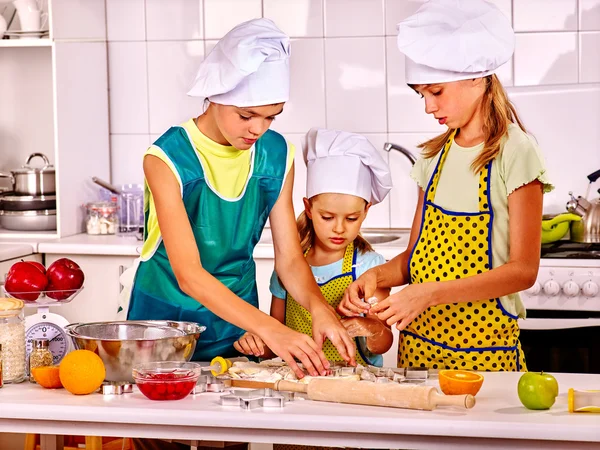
(122, 345)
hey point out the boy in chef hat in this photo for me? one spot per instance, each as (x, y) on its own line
(475, 240)
(346, 175)
(211, 184)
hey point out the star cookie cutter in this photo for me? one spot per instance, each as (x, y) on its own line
(256, 398)
(208, 383)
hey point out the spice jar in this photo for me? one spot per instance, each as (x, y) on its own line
(101, 218)
(12, 339)
(40, 356)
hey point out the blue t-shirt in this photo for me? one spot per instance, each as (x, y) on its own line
(322, 274)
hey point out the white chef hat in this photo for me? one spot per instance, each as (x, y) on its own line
(450, 40)
(344, 163)
(249, 66)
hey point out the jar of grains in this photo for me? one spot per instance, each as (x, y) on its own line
(40, 356)
(12, 339)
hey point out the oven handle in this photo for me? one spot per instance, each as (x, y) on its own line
(557, 324)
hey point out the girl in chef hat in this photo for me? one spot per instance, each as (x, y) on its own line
(211, 184)
(475, 239)
(345, 176)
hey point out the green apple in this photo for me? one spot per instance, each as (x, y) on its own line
(537, 390)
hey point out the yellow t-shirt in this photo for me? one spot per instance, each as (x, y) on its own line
(520, 162)
(226, 169)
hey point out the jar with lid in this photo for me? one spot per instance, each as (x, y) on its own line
(101, 218)
(12, 339)
(40, 356)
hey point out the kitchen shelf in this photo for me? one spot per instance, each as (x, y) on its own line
(44, 42)
(12, 234)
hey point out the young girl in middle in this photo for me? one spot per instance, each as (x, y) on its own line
(345, 176)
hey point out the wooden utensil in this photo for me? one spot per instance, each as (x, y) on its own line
(365, 393)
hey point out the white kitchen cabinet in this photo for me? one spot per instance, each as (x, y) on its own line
(99, 299)
(54, 94)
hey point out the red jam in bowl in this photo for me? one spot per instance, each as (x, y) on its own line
(166, 381)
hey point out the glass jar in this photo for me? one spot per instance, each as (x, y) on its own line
(101, 218)
(40, 356)
(12, 339)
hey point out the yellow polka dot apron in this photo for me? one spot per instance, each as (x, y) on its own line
(478, 335)
(299, 319)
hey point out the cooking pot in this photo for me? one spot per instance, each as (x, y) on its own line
(42, 220)
(11, 202)
(555, 228)
(32, 180)
(587, 230)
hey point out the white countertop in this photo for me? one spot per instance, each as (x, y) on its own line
(15, 250)
(498, 415)
(85, 244)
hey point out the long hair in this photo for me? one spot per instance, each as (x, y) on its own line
(306, 232)
(498, 112)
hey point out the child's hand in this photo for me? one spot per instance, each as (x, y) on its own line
(402, 307)
(353, 303)
(250, 344)
(360, 326)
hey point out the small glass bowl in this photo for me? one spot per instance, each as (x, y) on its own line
(168, 380)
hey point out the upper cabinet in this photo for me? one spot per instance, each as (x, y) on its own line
(54, 100)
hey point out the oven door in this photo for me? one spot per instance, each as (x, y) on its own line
(561, 341)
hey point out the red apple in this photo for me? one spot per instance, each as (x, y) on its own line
(64, 277)
(38, 265)
(25, 280)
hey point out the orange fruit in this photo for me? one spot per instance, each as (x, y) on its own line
(82, 372)
(47, 376)
(456, 382)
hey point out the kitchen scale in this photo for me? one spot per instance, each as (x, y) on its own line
(47, 325)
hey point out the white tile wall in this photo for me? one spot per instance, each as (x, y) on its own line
(545, 15)
(589, 15)
(296, 18)
(589, 57)
(347, 73)
(355, 84)
(354, 18)
(181, 20)
(545, 58)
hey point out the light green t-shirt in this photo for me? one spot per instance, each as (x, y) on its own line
(520, 162)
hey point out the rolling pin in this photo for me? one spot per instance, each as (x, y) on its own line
(365, 393)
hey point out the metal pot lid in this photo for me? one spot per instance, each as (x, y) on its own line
(32, 213)
(12, 197)
(47, 168)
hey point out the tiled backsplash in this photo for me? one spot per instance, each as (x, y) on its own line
(347, 73)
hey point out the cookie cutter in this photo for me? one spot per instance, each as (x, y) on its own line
(208, 383)
(116, 388)
(256, 398)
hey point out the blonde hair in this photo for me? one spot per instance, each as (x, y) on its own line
(498, 112)
(306, 232)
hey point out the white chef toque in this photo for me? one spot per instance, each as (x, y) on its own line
(344, 163)
(450, 40)
(249, 66)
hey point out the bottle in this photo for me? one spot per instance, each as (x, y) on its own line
(12, 338)
(40, 356)
(1, 378)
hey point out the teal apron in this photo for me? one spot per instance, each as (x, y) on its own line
(226, 232)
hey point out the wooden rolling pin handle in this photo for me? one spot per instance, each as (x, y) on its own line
(465, 401)
(290, 386)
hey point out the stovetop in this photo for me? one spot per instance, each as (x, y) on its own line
(570, 250)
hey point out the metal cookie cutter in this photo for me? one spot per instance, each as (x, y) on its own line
(208, 383)
(257, 398)
(116, 388)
